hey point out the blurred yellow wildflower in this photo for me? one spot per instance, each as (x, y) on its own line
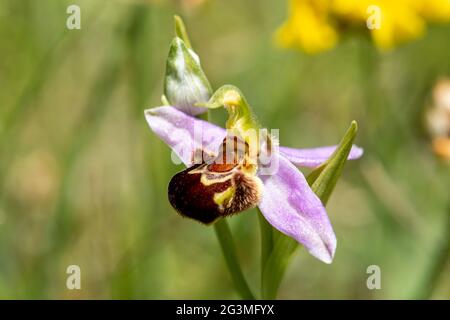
(307, 27)
(434, 10)
(313, 26)
(399, 23)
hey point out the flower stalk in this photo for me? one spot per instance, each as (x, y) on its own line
(228, 247)
(267, 242)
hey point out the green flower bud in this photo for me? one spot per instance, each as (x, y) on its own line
(185, 82)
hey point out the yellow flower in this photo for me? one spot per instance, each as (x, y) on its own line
(310, 24)
(434, 10)
(350, 10)
(399, 22)
(307, 27)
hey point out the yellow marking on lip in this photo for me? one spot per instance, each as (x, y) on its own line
(203, 170)
(207, 182)
(224, 198)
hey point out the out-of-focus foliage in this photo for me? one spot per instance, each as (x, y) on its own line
(83, 180)
(437, 118)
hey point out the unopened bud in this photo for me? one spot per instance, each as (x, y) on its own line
(185, 83)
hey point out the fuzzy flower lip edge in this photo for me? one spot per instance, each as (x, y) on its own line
(288, 203)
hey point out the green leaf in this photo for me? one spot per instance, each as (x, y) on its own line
(324, 178)
(267, 240)
(276, 265)
(322, 181)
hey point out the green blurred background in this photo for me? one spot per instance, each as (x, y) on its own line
(83, 179)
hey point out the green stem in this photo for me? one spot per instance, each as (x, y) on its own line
(267, 240)
(276, 266)
(225, 238)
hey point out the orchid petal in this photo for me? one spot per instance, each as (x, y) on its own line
(314, 157)
(184, 134)
(289, 205)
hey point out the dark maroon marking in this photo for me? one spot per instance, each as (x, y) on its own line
(219, 167)
(194, 200)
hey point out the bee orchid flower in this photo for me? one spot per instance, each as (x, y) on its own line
(212, 188)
